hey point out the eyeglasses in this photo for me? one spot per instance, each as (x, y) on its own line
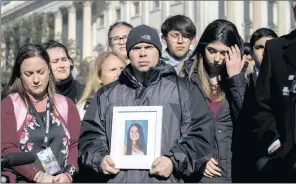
(116, 39)
(176, 37)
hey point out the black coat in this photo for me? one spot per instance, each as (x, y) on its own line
(225, 121)
(275, 112)
(187, 128)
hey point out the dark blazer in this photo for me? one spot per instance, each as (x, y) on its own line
(274, 111)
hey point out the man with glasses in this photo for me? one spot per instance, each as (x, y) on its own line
(178, 32)
(187, 125)
(61, 65)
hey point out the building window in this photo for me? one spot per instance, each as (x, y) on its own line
(136, 8)
(117, 14)
(101, 20)
(155, 5)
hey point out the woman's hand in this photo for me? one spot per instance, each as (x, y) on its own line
(42, 177)
(234, 62)
(62, 178)
(210, 169)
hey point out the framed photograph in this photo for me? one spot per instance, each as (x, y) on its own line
(136, 136)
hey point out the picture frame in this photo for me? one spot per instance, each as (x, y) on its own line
(136, 136)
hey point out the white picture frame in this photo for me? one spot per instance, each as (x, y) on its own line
(124, 132)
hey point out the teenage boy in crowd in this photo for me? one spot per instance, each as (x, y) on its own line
(178, 33)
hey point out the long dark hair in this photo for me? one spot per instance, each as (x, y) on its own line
(140, 142)
(15, 84)
(219, 30)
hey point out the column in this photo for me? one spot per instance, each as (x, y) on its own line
(109, 13)
(197, 18)
(145, 12)
(87, 42)
(188, 8)
(231, 11)
(11, 55)
(100, 11)
(256, 15)
(72, 23)
(281, 21)
(165, 10)
(126, 9)
(45, 28)
(72, 30)
(3, 55)
(58, 21)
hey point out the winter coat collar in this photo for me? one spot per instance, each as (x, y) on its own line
(154, 75)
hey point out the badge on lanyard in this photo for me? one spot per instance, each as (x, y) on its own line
(46, 156)
(48, 161)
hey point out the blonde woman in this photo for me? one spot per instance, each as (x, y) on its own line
(105, 69)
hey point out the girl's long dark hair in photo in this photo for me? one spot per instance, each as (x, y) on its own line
(140, 142)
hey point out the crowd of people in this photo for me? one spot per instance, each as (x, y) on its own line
(225, 116)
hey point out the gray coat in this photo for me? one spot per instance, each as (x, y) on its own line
(187, 129)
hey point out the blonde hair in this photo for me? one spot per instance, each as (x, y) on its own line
(92, 82)
(198, 67)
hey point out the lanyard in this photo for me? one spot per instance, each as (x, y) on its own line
(41, 123)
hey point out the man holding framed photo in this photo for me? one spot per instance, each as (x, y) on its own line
(187, 124)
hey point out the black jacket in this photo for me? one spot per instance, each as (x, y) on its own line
(226, 119)
(275, 112)
(188, 141)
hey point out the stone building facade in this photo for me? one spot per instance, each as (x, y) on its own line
(85, 23)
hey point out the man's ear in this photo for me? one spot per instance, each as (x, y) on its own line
(193, 41)
(164, 39)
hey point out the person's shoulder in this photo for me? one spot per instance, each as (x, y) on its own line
(6, 102)
(79, 87)
(64, 100)
(106, 89)
(278, 43)
(7, 106)
(183, 83)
